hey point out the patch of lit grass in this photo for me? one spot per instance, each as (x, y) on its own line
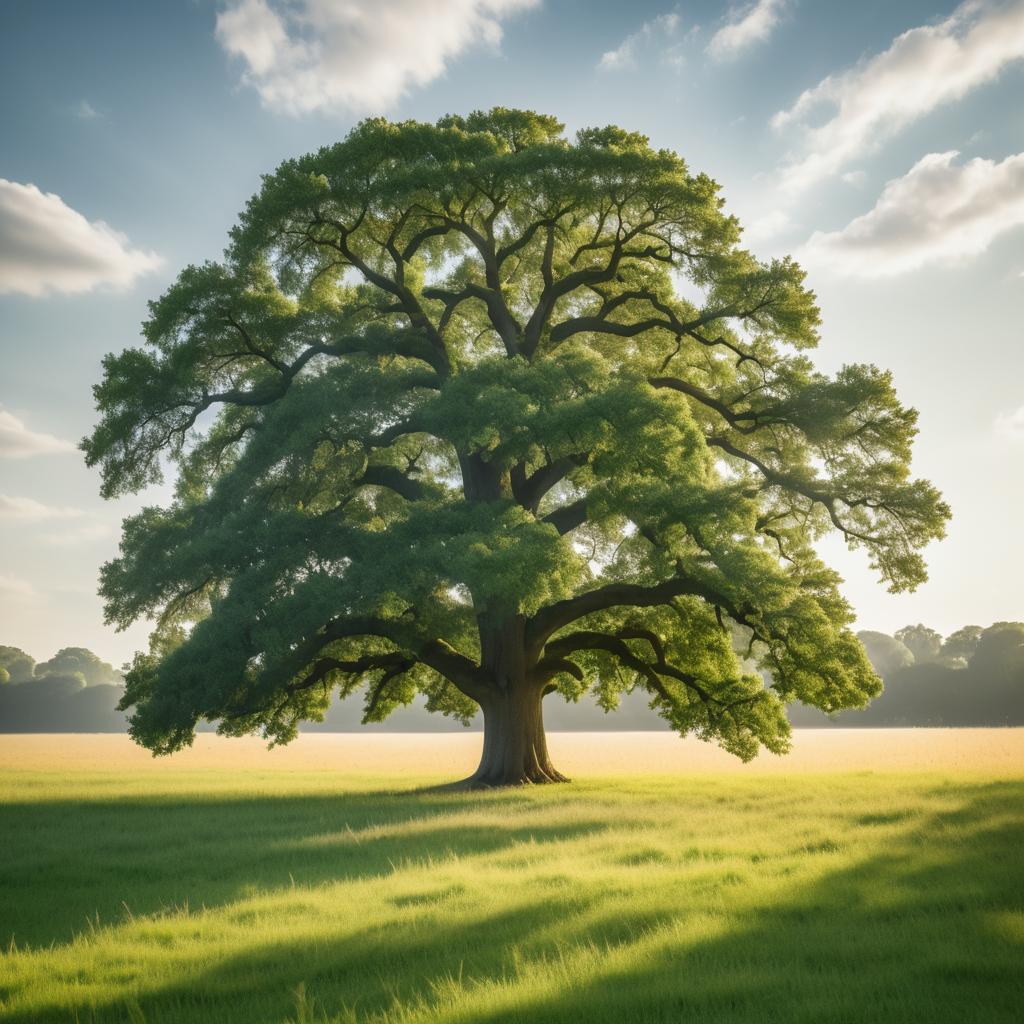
(270, 897)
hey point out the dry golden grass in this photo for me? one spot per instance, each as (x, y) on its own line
(994, 752)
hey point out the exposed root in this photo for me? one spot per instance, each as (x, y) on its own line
(536, 776)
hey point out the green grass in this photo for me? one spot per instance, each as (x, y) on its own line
(267, 897)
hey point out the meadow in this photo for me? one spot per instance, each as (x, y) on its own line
(872, 876)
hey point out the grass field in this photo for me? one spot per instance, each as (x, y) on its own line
(324, 883)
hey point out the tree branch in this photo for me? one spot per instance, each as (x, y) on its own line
(568, 517)
(395, 480)
(554, 617)
(788, 482)
(529, 491)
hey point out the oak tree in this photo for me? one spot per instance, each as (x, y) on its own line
(474, 411)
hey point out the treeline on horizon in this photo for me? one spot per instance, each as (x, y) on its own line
(75, 691)
(973, 677)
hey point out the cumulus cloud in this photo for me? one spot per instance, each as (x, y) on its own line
(362, 55)
(18, 442)
(938, 212)
(1010, 425)
(45, 246)
(921, 70)
(746, 27)
(32, 511)
(658, 32)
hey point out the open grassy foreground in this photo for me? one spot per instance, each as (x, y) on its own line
(232, 885)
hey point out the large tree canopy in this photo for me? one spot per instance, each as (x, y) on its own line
(476, 411)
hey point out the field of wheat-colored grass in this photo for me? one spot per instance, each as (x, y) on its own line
(581, 754)
(870, 876)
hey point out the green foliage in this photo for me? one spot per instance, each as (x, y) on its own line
(57, 685)
(18, 665)
(886, 654)
(1000, 650)
(79, 662)
(443, 392)
(959, 647)
(5, 676)
(975, 679)
(923, 642)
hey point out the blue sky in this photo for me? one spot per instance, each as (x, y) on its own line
(882, 142)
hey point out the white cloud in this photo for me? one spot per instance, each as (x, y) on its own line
(13, 586)
(854, 178)
(18, 442)
(656, 32)
(1010, 425)
(746, 27)
(921, 70)
(360, 55)
(45, 246)
(938, 212)
(85, 111)
(769, 225)
(30, 510)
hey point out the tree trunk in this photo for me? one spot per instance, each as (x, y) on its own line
(515, 750)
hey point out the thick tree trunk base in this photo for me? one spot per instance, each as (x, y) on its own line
(472, 784)
(491, 781)
(515, 749)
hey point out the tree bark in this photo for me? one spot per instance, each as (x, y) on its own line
(515, 749)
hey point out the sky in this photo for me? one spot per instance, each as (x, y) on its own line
(881, 143)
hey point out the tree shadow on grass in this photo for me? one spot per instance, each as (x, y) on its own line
(913, 931)
(921, 932)
(368, 971)
(70, 866)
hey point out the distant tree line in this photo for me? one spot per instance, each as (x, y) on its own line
(974, 676)
(75, 691)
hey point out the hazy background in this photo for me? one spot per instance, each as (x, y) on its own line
(132, 134)
(973, 677)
